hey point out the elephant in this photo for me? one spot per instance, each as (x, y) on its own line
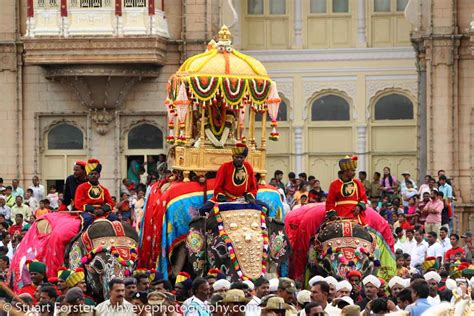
(207, 247)
(342, 246)
(56, 240)
(302, 224)
(106, 250)
(168, 214)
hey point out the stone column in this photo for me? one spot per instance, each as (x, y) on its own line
(361, 38)
(298, 149)
(298, 25)
(422, 143)
(362, 147)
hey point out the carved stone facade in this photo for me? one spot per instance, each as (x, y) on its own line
(445, 58)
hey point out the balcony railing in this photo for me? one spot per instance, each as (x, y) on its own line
(67, 18)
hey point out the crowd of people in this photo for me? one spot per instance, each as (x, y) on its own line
(433, 265)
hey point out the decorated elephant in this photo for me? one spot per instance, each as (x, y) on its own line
(340, 247)
(302, 225)
(106, 250)
(239, 239)
(169, 211)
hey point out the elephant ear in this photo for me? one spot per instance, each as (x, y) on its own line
(196, 244)
(75, 255)
(279, 249)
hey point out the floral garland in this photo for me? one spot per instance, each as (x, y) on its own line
(113, 251)
(223, 234)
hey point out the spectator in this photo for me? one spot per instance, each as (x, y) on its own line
(16, 190)
(133, 171)
(6, 241)
(456, 252)
(388, 184)
(434, 209)
(20, 208)
(375, 189)
(42, 210)
(303, 177)
(116, 302)
(48, 294)
(319, 295)
(278, 176)
(53, 197)
(261, 289)
(37, 188)
(124, 186)
(5, 209)
(406, 179)
(468, 247)
(30, 200)
(444, 240)
(161, 165)
(143, 283)
(9, 198)
(434, 247)
(419, 252)
(298, 194)
(420, 293)
(198, 303)
(425, 187)
(433, 279)
(130, 288)
(371, 287)
(365, 182)
(404, 298)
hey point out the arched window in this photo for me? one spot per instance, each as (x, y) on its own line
(145, 136)
(65, 136)
(394, 107)
(330, 108)
(282, 113)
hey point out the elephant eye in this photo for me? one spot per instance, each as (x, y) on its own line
(98, 265)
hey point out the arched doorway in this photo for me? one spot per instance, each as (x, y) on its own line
(64, 144)
(143, 144)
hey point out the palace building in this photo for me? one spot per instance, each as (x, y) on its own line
(87, 78)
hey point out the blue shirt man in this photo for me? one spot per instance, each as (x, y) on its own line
(420, 293)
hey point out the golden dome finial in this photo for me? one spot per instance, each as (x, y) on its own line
(224, 33)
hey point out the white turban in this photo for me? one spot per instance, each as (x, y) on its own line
(432, 276)
(372, 279)
(343, 285)
(250, 284)
(273, 285)
(347, 299)
(331, 280)
(315, 279)
(221, 285)
(396, 280)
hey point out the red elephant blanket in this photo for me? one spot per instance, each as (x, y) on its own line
(47, 248)
(301, 224)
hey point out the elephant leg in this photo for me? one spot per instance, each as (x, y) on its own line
(180, 255)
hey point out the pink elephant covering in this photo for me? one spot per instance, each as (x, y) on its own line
(47, 248)
(301, 224)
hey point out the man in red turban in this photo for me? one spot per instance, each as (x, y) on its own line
(235, 179)
(346, 197)
(93, 198)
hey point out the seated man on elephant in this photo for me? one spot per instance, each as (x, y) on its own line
(346, 197)
(235, 179)
(93, 198)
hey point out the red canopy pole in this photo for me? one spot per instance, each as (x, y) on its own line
(63, 7)
(118, 7)
(29, 9)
